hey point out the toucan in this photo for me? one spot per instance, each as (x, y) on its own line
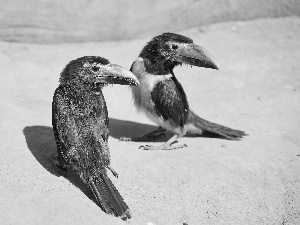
(80, 124)
(162, 98)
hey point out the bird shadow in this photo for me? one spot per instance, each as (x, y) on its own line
(124, 128)
(40, 141)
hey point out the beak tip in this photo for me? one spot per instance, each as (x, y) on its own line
(123, 76)
(215, 65)
(136, 83)
(133, 80)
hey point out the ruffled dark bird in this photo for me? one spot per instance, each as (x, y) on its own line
(80, 124)
(162, 98)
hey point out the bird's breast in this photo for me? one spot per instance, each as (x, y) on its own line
(142, 93)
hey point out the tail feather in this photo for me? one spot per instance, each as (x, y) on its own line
(108, 196)
(223, 131)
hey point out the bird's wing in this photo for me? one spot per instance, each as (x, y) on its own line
(64, 126)
(170, 101)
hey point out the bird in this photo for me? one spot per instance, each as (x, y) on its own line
(161, 97)
(81, 127)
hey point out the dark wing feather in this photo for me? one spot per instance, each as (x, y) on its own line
(170, 101)
(63, 123)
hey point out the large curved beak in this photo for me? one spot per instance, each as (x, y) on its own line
(115, 74)
(195, 55)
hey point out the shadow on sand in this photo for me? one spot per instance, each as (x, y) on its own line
(123, 128)
(40, 141)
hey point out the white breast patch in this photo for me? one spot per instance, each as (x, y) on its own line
(142, 93)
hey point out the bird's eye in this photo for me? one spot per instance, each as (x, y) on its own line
(174, 47)
(95, 69)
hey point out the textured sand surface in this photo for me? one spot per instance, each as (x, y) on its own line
(213, 181)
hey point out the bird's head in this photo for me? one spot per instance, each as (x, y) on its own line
(94, 72)
(168, 50)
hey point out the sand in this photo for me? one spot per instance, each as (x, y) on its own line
(212, 181)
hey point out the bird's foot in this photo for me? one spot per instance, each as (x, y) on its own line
(165, 146)
(160, 132)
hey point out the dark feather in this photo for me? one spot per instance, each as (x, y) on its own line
(170, 101)
(223, 131)
(108, 196)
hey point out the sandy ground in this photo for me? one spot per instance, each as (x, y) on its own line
(213, 181)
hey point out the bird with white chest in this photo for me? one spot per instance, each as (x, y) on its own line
(162, 98)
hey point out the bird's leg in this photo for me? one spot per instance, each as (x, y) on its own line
(112, 170)
(166, 146)
(146, 137)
